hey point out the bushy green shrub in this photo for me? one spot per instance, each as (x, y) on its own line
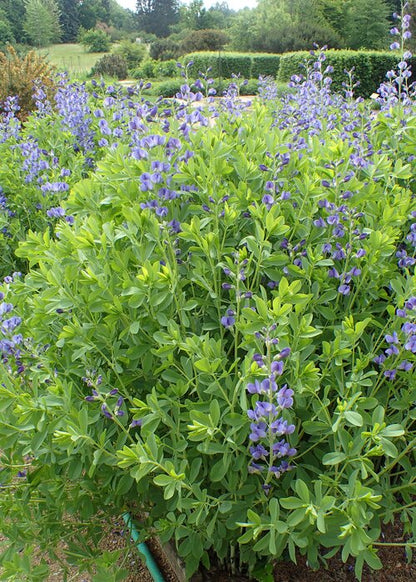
(234, 64)
(217, 329)
(165, 49)
(95, 41)
(111, 65)
(146, 70)
(380, 63)
(132, 52)
(166, 69)
(167, 88)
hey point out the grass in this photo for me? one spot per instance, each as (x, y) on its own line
(72, 58)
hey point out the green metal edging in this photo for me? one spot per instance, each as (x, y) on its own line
(143, 549)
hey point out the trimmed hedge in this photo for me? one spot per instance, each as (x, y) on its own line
(248, 65)
(265, 65)
(370, 68)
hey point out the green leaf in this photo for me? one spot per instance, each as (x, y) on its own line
(163, 480)
(389, 448)
(372, 559)
(302, 490)
(333, 458)
(296, 517)
(215, 412)
(354, 418)
(225, 507)
(393, 430)
(134, 327)
(291, 503)
(203, 365)
(274, 509)
(218, 470)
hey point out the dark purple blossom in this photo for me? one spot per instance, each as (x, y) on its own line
(228, 320)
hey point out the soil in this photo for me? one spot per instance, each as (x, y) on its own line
(395, 566)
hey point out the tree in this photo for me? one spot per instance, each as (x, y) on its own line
(122, 18)
(93, 11)
(367, 24)
(6, 33)
(15, 13)
(221, 15)
(156, 16)
(334, 13)
(196, 16)
(69, 19)
(42, 22)
(204, 40)
(283, 25)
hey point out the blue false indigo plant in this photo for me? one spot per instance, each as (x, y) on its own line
(215, 328)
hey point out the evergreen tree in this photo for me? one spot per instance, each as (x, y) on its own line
(156, 16)
(6, 33)
(367, 24)
(93, 11)
(69, 19)
(41, 22)
(15, 12)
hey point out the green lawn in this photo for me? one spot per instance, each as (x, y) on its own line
(70, 57)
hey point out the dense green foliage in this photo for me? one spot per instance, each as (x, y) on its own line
(6, 33)
(204, 40)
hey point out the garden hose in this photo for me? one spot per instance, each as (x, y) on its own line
(143, 549)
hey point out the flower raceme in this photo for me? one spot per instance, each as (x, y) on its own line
(268, 425)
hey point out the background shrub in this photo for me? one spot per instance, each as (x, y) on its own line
(95, 41)
(166, 69)
(234, 64)
(165, 49)
(145, 71)
(111, 65)
(132, 52)
(167, 88)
